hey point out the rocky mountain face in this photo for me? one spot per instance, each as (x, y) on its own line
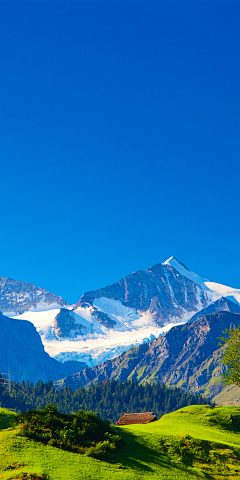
(22, 352)
(221, 305)
(65, 325)
(161, 290)
(17, 297)
(187, 356)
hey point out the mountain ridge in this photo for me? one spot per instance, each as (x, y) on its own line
(17, 297)
(134, 310)
(221, 305)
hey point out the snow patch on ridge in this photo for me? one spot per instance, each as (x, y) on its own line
(123, 316)
(217, 291)
(42, 320)
(44, 306)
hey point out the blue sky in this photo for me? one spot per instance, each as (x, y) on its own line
(119, 140)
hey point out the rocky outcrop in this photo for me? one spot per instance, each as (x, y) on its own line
(22, 352)
(161, 290)
(221, 305)
(187, 356)
(17, 297)
(64, 325)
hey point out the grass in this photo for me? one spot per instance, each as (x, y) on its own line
(195, 442)
(230, 395)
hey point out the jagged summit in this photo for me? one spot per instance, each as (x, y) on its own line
(17, 297)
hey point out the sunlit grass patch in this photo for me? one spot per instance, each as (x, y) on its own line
(192, 443)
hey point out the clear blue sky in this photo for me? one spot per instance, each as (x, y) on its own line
(120, 140)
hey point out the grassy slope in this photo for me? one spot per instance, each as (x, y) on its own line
(192, 443)
(230, 395)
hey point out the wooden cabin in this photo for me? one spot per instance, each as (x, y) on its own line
(133, 418)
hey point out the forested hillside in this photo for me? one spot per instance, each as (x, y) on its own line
(110, 400)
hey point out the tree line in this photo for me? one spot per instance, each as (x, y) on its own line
(110, 400)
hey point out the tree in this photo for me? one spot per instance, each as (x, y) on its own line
(231, 356)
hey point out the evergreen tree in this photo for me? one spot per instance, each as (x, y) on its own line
(110, 400)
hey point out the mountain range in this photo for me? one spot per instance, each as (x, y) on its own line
(109, 321)
(162, 325)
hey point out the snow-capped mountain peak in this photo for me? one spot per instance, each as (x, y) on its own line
(183, 270)
(174, 262)
(213, 290)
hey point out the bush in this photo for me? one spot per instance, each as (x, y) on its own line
(29, 476)
(82, 432)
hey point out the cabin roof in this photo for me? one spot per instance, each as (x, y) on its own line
(131, 418)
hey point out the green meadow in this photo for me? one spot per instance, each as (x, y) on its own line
(192, 443)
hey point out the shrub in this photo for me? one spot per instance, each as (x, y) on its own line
(29, 476)
(82, 432)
